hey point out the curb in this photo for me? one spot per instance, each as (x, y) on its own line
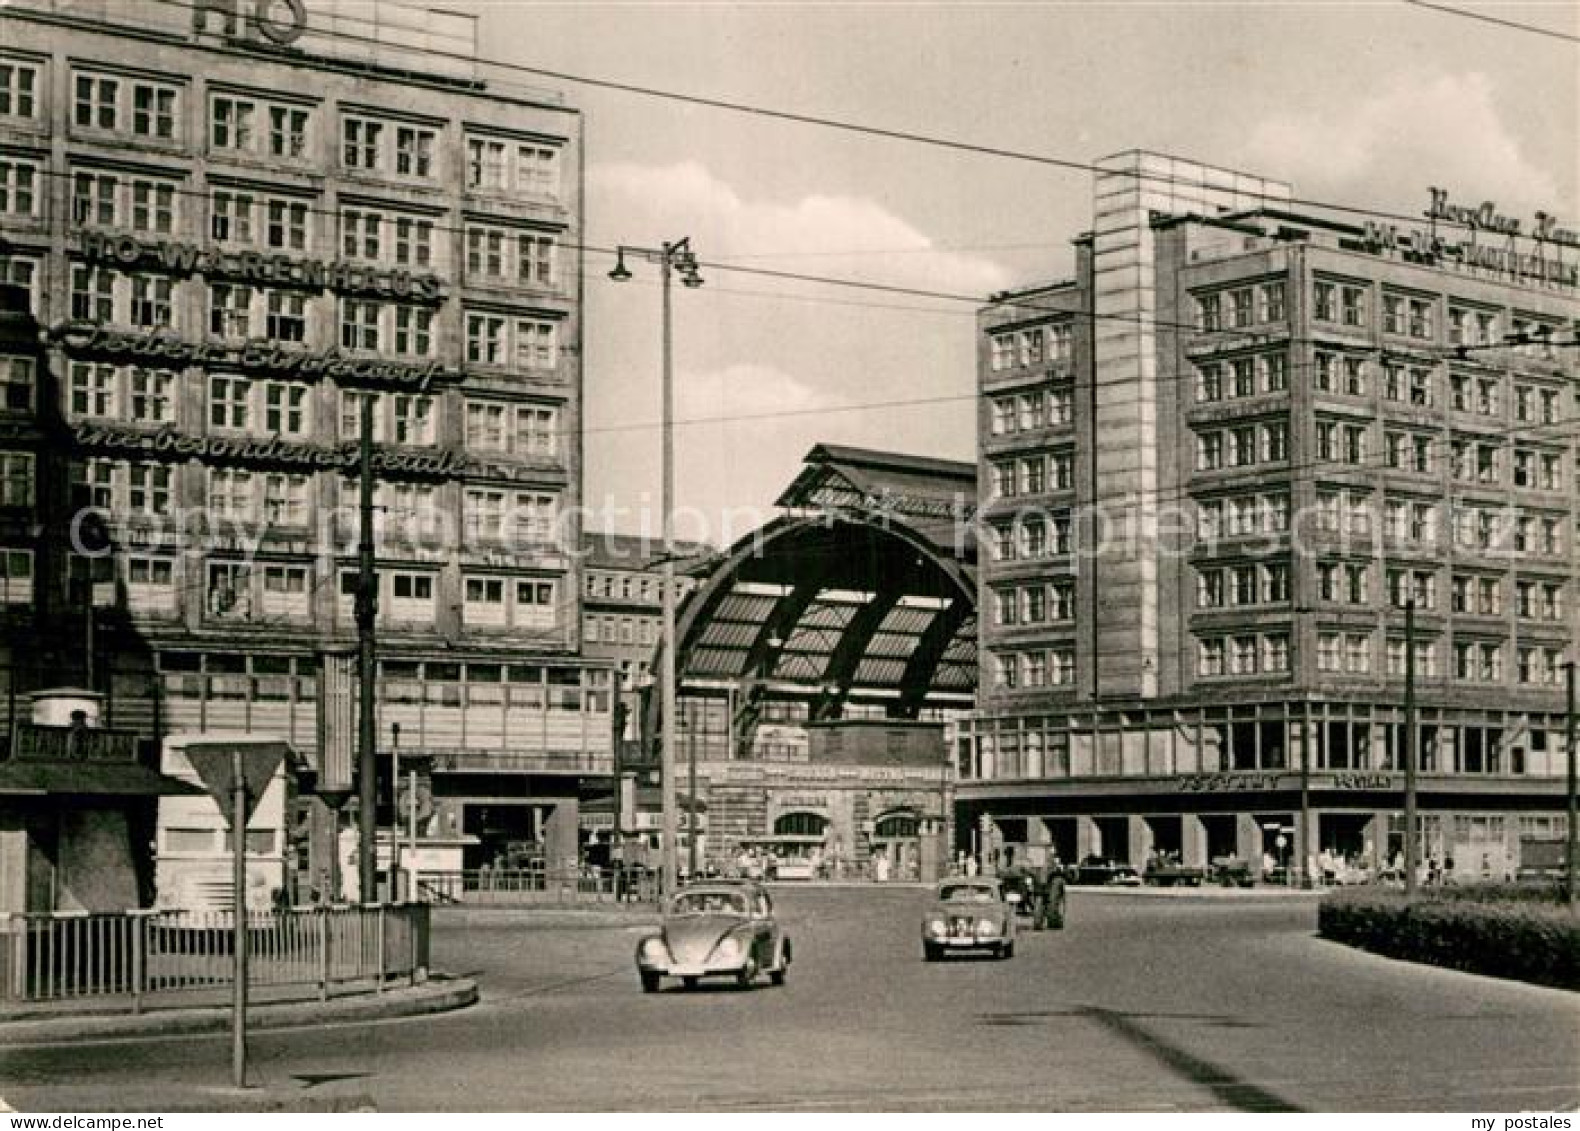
(439, 995)
(1205, 892)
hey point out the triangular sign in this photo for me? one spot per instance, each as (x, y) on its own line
(212, 761)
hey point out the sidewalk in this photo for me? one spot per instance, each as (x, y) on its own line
(1205, 891)
(61, 1025)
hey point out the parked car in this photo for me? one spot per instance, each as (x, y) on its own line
(968, 914)
(1098, 870)
(716, 929)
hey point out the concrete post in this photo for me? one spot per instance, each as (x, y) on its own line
(1248, 841)
(1193, 841)
(1088, 839)
(1140, 837)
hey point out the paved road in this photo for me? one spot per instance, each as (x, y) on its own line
(1141, 1004)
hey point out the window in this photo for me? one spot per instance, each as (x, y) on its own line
(415, 147)
(1393, 314)
(413, 419)
(1241, 306)
(16, 479)
(1209, 657)
(1275, 442)
(19, 187)
(230, 311)
(1031, 346)
(412, 597)
(153, 206)
(1271, 296)
(1354, 306)
(362, 143)
(530, 168)
(1244, 369)
(1405, 586)
(359, 324)
(1061, 342)
(150, 583)
(230, 216)
(1324, 302)
(413, 331)
(1357, 654)
(152, 395)
(229, 402)
(136, 106)
(93, 390)
(1209, 382)
(23, 271)
(1324, 372)
(93, 198)
(484, 601)
(285, 318)
(19, 86)
(286, 225)
(485, 164)
(1001, 352)
(231, 493)
(285, 499)
(16, 384)
(1209, 451)
(1209, 309)
(1274, 368)
(1210, 589)
(232, 123)
(1420, 325)
(1355, 376)
(284, 408)
(152, 301)
(288, 131)
(535, 260)
(485, 338)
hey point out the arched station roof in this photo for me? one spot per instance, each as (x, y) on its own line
(862, 591)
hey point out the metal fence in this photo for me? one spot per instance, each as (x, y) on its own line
(133, 956)
(500, 886)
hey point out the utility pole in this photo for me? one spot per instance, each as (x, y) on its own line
(1571, 741)
(1410, 852)
(367, 607)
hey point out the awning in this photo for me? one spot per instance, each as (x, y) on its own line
(89, 779)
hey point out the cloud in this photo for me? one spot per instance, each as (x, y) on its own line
(1385, 148)
(845, 236)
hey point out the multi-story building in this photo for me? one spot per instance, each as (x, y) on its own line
(1217, 465)
(237, 224)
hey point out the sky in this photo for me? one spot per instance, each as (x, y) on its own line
(1361, 104)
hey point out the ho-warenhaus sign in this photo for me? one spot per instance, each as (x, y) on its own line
(179, 258)
(160, 348)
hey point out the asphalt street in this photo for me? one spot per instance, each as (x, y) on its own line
(1142, 1003)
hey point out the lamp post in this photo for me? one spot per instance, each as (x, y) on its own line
(672, 258)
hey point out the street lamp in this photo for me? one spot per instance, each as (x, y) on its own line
(672, 258)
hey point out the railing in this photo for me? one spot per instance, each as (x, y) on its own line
(499, 886)
(136, 955)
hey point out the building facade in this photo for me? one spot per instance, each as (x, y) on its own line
(237, 223)
(1217, 465)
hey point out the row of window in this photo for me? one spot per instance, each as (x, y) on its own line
(263, 407)
(1242, 445)
(1027, 412)
(275, 129)
(279, 498)
(1032, 538)
(1350, 653)
(1265, 653)
(1036, 603)
(1265, 583)
(239, 313)
(1041, 667)
(598, 628)
(1248, 376)
(1034, 474)
(1011, 348)
(1242, 307)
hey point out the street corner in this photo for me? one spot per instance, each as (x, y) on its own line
(439, 994)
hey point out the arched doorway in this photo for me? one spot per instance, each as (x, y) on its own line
(896, 846)
(796, 849)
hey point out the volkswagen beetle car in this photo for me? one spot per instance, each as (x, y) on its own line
(717, 929)
(968, 914)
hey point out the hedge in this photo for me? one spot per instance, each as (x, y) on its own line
(1506, 938)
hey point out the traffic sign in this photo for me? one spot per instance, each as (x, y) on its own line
(259, 760)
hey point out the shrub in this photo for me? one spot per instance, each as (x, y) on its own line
(1505, 937)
